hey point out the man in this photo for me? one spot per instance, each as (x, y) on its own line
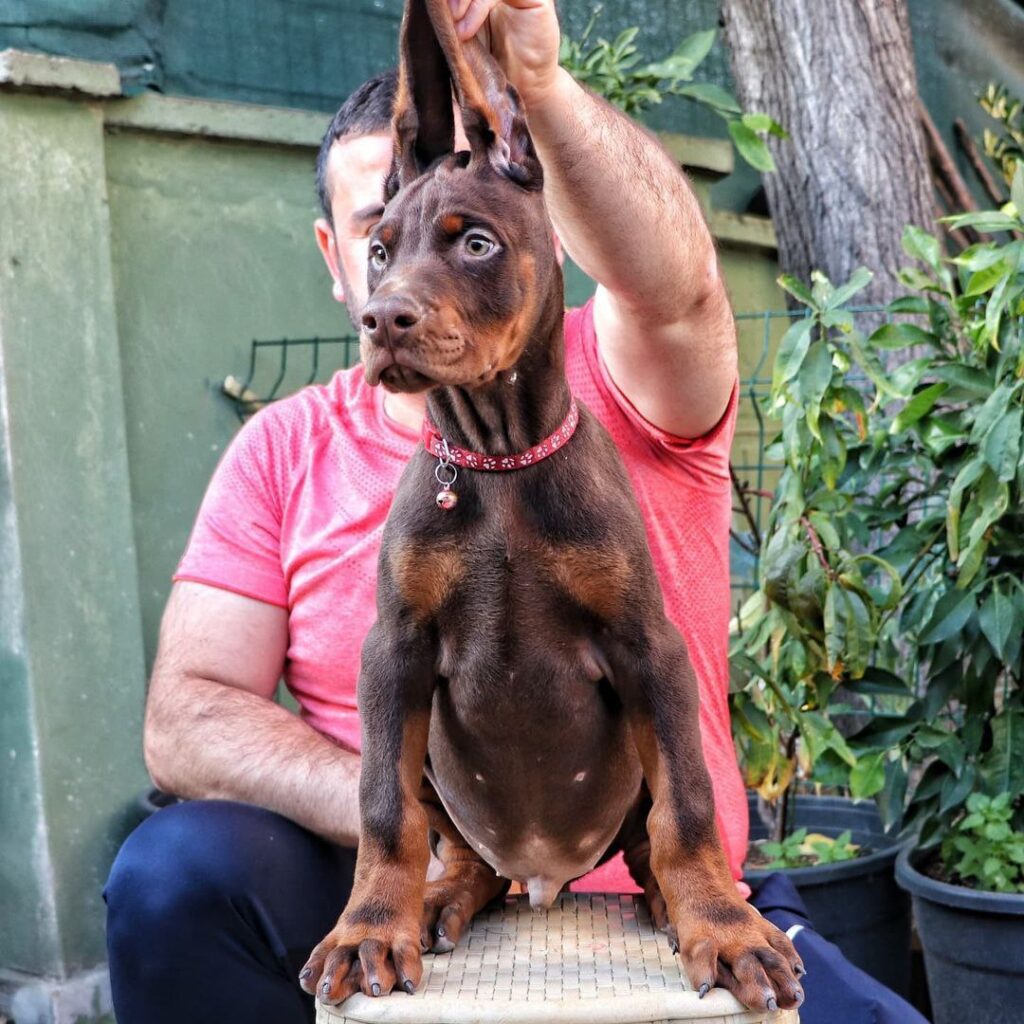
(215, 904)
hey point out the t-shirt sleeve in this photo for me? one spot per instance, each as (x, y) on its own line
(704, 456)
(235, 543)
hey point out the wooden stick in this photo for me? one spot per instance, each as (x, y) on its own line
(742, 491)
(942, 163)
(963, 137)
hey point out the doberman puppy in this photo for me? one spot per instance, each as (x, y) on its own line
(524, 699)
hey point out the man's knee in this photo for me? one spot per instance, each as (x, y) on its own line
(202, 862)
(176, 862)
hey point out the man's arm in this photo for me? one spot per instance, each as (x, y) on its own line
(213, 730)
(628, 217)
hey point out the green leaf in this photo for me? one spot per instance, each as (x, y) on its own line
(1017, 190)
(919, 245)
(751, 147)
(899, 335)
(951, 614)
(792, 350)
(998, 619)
(868, 776)
(1001, 447)
(992, 410)
(968, 475)
(920, 405)
(696, 47)
(825, 530)
(812, 381)
(710, 95)
(796, 288)
(969, 378)
(986, 221)
(858, 281)
(956, 790)
(880, 681)
(909, 304)
(1004, 764)
(985, 280)
(758, 122)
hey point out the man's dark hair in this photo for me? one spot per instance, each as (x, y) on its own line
(365, 112)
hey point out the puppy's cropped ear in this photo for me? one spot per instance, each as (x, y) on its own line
(422, 125)
(492, 115)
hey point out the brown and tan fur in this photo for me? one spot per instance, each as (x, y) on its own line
(524, 698)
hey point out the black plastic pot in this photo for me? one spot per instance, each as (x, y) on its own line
(856, 904)
(973, 947)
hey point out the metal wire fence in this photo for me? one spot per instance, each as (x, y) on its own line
(281, 366)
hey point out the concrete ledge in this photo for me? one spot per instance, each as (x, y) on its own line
(81, 999)
(22, 70)
(247, 122)
(715, 156)
(743, 230)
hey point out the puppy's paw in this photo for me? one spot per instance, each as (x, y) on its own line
(734, 947)
(450, 903)
(373, 958)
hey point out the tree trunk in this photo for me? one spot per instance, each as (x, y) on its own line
(839, 76)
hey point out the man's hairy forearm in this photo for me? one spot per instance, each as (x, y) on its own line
(209, 740)
(621, 205)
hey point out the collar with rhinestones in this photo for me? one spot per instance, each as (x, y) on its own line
(437, 446)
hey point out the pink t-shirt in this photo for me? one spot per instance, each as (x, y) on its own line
(294, 514)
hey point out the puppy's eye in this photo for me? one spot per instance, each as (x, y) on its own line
(479, 245)
(378, 256)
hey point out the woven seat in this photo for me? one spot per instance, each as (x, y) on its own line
(588, 960)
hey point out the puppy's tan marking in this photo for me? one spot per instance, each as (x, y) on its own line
(426, 576)
(452, 224)
(598, 578)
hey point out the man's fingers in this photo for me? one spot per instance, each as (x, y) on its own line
(459, 8)
(473, 17)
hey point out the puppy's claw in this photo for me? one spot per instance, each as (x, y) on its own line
(409, 986)
(375, 989)
(703, 990)
(772, 1004)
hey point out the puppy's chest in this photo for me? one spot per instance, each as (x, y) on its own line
(506, 583)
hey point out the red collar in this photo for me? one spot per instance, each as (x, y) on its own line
(436, 446)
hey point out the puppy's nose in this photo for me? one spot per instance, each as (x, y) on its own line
(387, 320)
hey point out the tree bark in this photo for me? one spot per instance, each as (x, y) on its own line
(839, 76)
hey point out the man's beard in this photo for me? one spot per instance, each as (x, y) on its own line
(355, 309)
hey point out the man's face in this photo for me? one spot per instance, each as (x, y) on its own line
(356, 168)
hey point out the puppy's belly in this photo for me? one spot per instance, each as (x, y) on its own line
(539, 800)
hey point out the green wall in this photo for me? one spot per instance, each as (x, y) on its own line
(310, 54)
(144, 242)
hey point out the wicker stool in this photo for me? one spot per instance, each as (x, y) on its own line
(588, 960)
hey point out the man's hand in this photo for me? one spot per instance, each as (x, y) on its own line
(522, 35)
(626, 214)
(213, 730)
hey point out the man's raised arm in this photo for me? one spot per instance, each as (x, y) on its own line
(627, 215)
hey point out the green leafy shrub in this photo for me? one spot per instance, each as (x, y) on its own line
(820, 616)
(984, 849)
(893, 561)
(613, 69)
(799, 849)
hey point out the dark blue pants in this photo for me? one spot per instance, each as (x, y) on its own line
(213, 908)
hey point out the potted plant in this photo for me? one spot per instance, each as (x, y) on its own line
(960, 742)
(817, 637)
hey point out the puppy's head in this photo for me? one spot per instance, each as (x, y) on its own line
(462, 258)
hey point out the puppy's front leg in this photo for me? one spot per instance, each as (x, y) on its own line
(376, 942)
(722, 939)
